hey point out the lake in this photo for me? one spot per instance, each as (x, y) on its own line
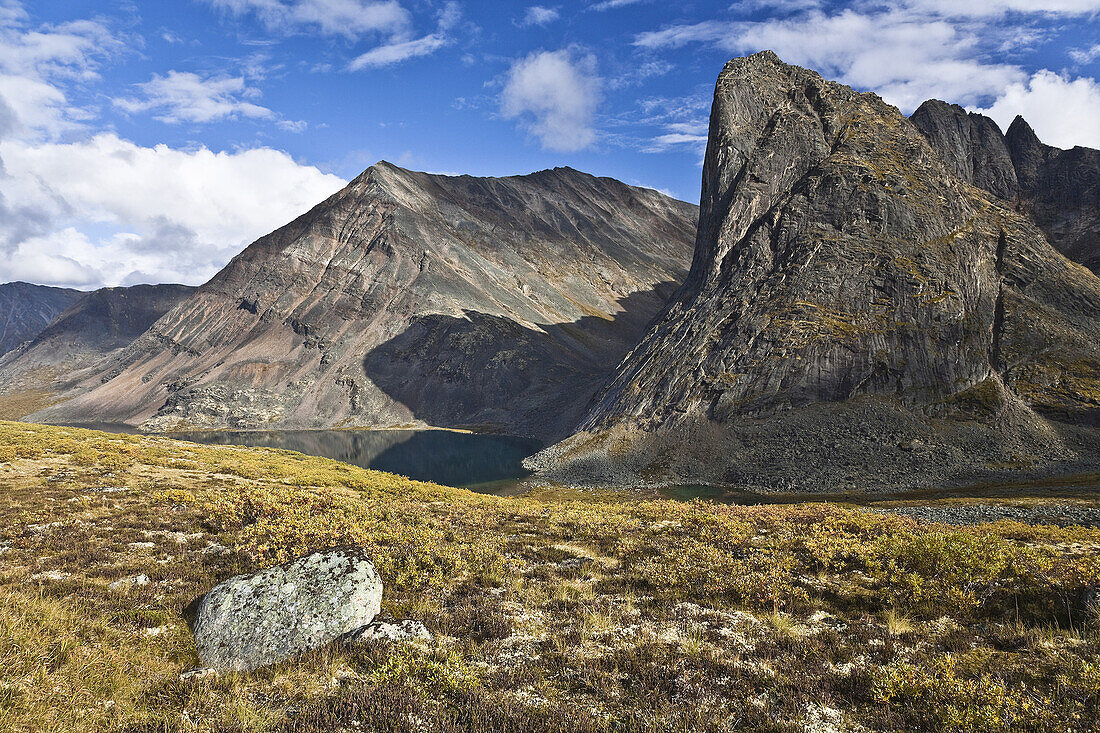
(468, 460)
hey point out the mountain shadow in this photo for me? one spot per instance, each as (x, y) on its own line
(492, 374)
(442, 456)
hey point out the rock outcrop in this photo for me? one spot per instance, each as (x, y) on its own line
(971, 144)
(252, 621)
(858, 315)
(1058, 189)
(411, 299)
(26, 309)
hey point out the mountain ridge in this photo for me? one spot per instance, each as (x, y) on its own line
(850, 298)
(284, 334)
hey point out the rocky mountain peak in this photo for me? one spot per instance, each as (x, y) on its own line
(971, 144)
(851, 292)
(411, 298)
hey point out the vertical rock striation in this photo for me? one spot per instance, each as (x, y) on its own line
(857, 313)
(1058, 189)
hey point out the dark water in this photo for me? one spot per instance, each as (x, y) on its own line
(453, 459)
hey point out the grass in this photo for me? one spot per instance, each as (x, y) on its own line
(547, 614)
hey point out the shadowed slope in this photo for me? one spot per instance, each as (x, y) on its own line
(26, 309)
(280, 337)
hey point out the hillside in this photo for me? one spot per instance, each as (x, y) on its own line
(94, 326)
(26, 309)
(573, 616)
(411, 299)
(856, 316)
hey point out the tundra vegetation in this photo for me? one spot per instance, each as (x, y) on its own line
(582, 612)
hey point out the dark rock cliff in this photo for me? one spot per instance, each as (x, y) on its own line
(410, 299)
(1058, 189)
(26, 309)
(857, 314)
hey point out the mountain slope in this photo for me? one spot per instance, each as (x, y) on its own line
(1058, 189)
(26, 309)
(410, 298)
(856, 315)
(97, 324)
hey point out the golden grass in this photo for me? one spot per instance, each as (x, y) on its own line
(547, 615)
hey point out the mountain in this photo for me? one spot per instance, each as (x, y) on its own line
(94, 326)
(857, 315)
(26, 309)
(1058, 189)
(409, 299)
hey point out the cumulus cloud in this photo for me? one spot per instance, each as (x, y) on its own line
(85, 210)
(348, 18)
(914, 50)
(117, 208)
(181, 96)
(538, 15)
(1063, 112)
(554, 95)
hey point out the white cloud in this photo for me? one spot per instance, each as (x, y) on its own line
(913, 50)
(1085, 55)
(554, 94)
(115, 210)
(393, 53)
(181, 96)
(692, 135)
(994, 8)
(1062, 112)
(397, 51)
(88, 210)
(612, 4)
(904, 57)
(348, 18)
(539, 15)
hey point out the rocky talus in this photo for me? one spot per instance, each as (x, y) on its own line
(859, 313)
(1059, 190)
(26, 309)
(411, 299)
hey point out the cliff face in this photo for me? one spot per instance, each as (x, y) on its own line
(1058, 189)
(857, 314)
(407, 299)
(26, 309)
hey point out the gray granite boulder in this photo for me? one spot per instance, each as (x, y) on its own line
(251, 621)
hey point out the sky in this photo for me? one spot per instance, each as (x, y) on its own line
(151, 141)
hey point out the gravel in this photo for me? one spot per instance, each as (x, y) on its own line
(1062, 515)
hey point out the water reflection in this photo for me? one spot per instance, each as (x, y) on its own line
(445, 457)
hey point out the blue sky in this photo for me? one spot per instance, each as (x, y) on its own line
(151, 141)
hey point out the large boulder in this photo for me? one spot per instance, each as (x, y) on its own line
(251, 621)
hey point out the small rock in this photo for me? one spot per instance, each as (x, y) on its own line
(50, 575)
(141, 545)
(131, 582)
(390, 631)
(251, 621)
(199, 674)
(576, 563)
